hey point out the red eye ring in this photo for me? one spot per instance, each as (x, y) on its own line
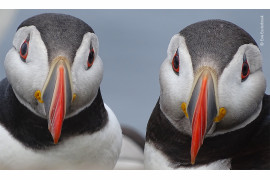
(91, 58)
(245, 68)
(245, 71)
(24, 49)
(176, 62)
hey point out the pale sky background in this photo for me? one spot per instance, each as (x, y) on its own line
(133, 44)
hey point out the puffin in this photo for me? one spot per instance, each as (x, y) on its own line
(212, 112)
(52, 115)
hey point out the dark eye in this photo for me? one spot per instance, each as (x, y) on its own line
(91, 58)
(24, 50)
(176, 62)
(245, 69)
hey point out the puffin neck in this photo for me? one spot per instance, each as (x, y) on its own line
(32, 130)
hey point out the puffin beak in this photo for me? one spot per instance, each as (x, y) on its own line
(57, 95)
(202, 108)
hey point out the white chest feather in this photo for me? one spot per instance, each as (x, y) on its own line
(154, 159)
(99, 150)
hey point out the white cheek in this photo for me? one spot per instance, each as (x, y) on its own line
(241, 99)
(27, 77)
(86, 82)
(175, 89)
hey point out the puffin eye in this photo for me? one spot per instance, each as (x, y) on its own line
(176, 62)
(91, 58)
(24, 50)
(245, 69)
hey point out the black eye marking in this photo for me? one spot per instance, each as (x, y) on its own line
(245, 69)
(176, 62)
(91, 57)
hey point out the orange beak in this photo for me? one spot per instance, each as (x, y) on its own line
(57, 96)
(203, 110)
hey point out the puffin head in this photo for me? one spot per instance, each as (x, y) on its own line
(211, 80)
(54, 67)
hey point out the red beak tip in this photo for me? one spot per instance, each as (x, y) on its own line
(55, 137)
(55, 141)
(193, 158)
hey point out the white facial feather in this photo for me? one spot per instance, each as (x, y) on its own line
(241, 99)
(86, 81)
(27, 77)
(175, 89)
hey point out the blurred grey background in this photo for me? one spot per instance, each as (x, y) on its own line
(133, 44)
